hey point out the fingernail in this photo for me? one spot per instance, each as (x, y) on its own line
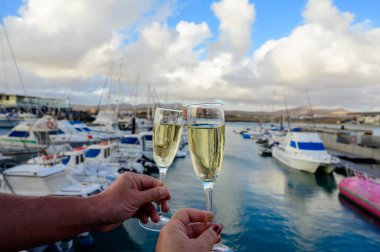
(162, 184)
(217, 228)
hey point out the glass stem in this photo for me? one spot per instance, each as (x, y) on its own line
(208, 187)
(161, 178)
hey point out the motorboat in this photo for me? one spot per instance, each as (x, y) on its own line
(107, 156)
(34, 180)
(142, 144)
(66, 133)
(106, 122)
(10, 120)
(96, 135)
(304, 151)
(85, 171)
(363, 192)
(28, 138)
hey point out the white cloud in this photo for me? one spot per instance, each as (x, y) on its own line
(236, 18)
(61, 46)
(326, 52)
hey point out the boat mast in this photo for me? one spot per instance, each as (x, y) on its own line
(286, 108)
(137, 89)
(14, 60)
(118, 88)
(104, 86)
(310, 108)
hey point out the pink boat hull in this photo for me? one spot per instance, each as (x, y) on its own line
(365, 193)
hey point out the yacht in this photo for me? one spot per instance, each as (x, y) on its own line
(142, 144)
(106, 156)
(304, 151)
(35, 180)
(28, 138)
(106, 122)
(66, 133)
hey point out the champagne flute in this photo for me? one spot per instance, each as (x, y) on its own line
(167, 129)
(205, 124)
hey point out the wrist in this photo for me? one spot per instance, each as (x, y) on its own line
(97, 211)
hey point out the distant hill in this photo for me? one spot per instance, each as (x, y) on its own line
(294, 112)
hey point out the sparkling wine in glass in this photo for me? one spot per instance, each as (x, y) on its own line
(206, 133)
(167, 129)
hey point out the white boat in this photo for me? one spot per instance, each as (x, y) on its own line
(305, 152)
(106, 156)
(84, 171)
(66, 133)
(142, 144)
(34, 180)
(106, 122)
(96, 135)
(28, 138)
(10, 120)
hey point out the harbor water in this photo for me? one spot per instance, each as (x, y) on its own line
(263, 206)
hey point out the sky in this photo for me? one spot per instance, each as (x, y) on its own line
(247, 54)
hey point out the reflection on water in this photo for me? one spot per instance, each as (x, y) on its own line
(361, 212)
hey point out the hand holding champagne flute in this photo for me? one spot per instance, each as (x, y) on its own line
(206, 132)
(167, 131)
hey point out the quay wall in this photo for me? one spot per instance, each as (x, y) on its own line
(330, 141)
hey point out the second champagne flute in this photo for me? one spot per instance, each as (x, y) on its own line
(167, 131)
(206, 132)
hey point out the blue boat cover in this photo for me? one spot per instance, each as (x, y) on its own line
(308, 146)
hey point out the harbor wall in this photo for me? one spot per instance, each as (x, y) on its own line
(331, 142)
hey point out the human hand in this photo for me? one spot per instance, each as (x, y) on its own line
(131, 195)
(187, 231)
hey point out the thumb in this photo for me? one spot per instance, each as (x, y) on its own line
(208, 238)
(153, 195)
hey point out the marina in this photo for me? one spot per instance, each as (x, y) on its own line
(262, 113)
(262, 205)
(285, 192)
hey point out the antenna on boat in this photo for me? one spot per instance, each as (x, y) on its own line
(137, 89)
(273, 98)
(118, 87)
(310, 108)
(286, 108)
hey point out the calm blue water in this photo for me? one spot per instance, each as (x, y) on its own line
(263, 207)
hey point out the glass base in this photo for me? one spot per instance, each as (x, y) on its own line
(155, 226)
(221, 248)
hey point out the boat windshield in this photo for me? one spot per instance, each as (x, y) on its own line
(65, 160)
(20, 134)
(129, 140)
(56, 132)
(308, 146)
(91, 153)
